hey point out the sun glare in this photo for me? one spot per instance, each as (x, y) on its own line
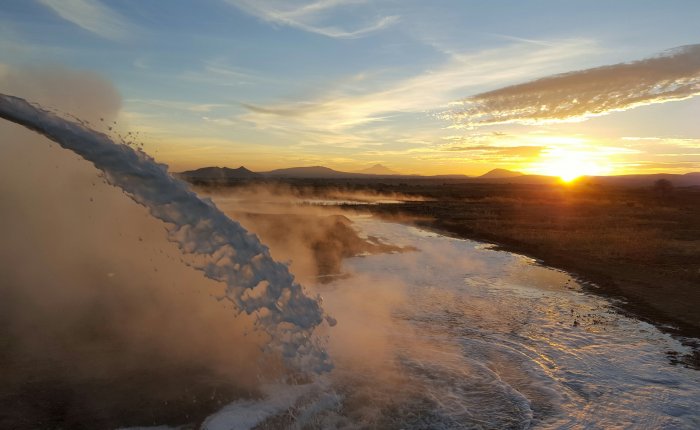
(570, 165)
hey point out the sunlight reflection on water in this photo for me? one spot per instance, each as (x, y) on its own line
(457, 335)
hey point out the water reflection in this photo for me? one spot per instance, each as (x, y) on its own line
(457, 335)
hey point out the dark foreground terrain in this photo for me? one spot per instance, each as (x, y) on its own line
(640, 244)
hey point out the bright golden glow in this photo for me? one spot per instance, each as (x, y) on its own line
(570, 164)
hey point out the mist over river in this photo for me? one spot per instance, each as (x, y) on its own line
(457, 335)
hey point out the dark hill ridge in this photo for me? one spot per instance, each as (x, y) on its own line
(378, 169)
(312, 172)
(320, 172)
(502, 176)
(219, 174)
(308, 172)
(500, 173)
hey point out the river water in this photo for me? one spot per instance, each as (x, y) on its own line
(458, 335)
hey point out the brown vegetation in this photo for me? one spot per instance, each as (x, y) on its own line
(640, 245)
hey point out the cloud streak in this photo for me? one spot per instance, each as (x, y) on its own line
(517, 151)
(311, 16)
(93, 16)
(575, 96)
(338, 111)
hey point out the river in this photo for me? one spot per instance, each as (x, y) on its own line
(459, 335)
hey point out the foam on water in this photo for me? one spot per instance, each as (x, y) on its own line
(478, 338)
(518, 345)
(214, 244)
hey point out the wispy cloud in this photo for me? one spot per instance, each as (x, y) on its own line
(177, 105)
(312, 16)
(664, 167)
(673, 75)
(338, 110)
(219, 73)
(93, 16)
(519, 151)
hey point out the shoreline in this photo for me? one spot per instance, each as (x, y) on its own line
(633, 246)
(593, 282)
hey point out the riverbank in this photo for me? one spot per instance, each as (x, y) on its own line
(633, 245)
(638, 246)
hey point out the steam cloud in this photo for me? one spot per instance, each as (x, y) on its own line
(215, 244)
(97, 310)
(94, 300)
(673, 75)
(84, 94)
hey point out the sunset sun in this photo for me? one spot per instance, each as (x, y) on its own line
(570, 164)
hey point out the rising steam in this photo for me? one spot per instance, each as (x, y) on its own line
(216, 245)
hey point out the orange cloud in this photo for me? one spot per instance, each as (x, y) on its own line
(574, 96)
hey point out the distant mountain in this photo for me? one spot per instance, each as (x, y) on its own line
(214, 174)
(500, 173)
(517, 179)
(501, 176)
(448, 176)
(378, 169)
(312, 172)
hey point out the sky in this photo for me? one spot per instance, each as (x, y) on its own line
(557, 87)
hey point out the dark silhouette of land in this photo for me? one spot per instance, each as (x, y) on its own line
(500, 173)
(378, 169)
(225, 175)
(219, 174)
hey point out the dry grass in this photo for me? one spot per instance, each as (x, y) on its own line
(633, 242)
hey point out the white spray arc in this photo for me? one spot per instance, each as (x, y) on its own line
(215, 244)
